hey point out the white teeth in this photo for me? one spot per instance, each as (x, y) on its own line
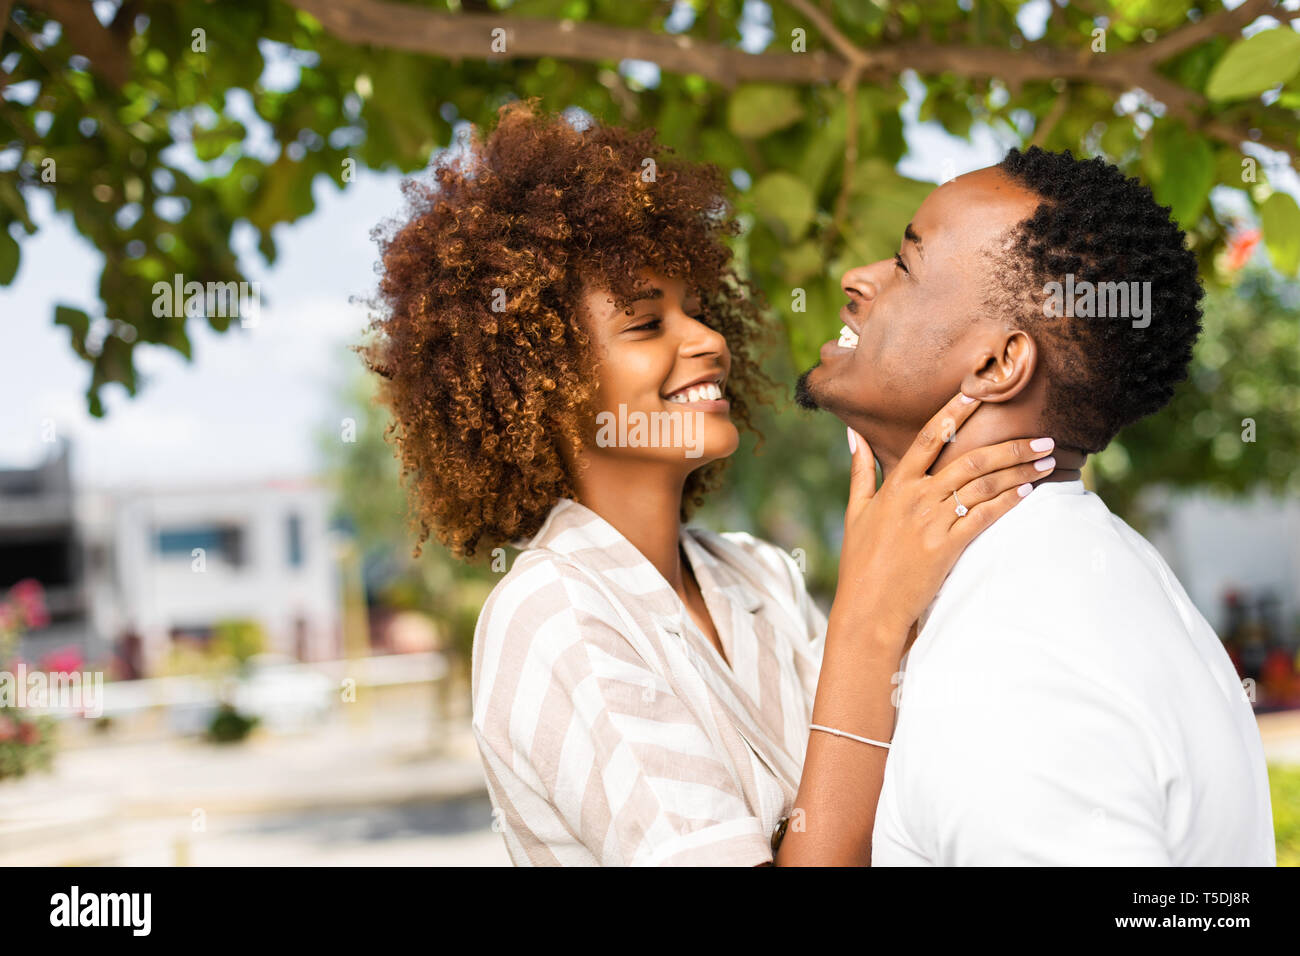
(848, 338)
(707, 392)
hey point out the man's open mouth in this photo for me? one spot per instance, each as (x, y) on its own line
(848, 338)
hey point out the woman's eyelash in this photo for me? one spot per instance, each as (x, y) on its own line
(656, 321)
(898, 260)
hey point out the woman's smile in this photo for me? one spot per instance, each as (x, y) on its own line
(702, 395)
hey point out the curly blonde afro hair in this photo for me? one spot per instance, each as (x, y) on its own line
(480, 344)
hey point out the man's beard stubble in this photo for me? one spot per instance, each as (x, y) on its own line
(803, 395)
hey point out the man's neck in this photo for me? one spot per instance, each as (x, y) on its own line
(987, 425)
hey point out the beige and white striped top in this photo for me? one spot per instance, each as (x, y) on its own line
(611, 730)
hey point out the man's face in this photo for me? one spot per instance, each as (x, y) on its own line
(919, 319)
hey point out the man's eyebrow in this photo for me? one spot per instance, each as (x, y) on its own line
(910, 233)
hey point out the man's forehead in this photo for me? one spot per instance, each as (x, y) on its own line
(973, 207)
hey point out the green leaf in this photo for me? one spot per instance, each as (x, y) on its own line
(786, 202)
(1231, 167)
(1279, 218)
(282, 195)
(113, 364)
(13, 200)
(806, 330)
(8, 257)
(1118, 138)
(1181, 168)
(1255, 64)
(757, 109)
(883, 204)
(209, 144)
(802, 262)
(78, 324)
(823, 149)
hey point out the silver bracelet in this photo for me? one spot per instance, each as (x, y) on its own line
(841, 733)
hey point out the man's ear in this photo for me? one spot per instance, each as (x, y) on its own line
(1006, 366)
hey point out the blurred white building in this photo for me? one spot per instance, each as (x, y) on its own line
(132, 570)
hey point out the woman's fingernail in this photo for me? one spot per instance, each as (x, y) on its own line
(966, 399)
(853, 442)
(1025, 489)
(1042, 444)
(1045, 464)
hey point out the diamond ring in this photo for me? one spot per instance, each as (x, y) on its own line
(961, 509)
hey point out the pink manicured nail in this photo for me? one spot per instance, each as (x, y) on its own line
(1024, 489)
(966, 399)
(1045, 464)
(1042, 444)
(853, 443)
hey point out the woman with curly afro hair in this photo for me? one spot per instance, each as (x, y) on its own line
(567, 351)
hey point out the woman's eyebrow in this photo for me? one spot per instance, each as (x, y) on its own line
(646, 295)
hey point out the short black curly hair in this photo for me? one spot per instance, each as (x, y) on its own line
(1101, 226)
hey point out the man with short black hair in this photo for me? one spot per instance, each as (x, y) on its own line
(1112, 729)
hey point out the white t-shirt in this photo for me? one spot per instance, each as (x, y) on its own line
(1065, 704)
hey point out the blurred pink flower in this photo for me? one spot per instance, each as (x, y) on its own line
(28, 733)
(64, 661)
(1240, 246)
(7, 728)
(27, 597)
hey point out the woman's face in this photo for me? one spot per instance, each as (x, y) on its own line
(661, 378)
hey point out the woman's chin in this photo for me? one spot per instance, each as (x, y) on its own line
(720, 446)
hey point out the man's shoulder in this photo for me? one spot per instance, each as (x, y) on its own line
(1066, 552)
(1063, 586)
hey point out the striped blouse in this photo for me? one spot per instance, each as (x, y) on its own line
(611, 730)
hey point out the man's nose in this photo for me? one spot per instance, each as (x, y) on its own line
(860, 286)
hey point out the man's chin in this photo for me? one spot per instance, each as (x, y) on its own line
(803, 392)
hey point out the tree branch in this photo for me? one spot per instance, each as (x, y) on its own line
(109, 57)
(1048, 122)
(420, 30)
(1221, 23)
(827, 27)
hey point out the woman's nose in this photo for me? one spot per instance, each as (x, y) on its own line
(699, 339)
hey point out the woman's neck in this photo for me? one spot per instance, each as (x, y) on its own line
(643, 503)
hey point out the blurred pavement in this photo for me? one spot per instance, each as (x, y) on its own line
(389, 790)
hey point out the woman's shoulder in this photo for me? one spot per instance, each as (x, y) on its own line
(543, 625)
(537, 581)
(541, 590)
